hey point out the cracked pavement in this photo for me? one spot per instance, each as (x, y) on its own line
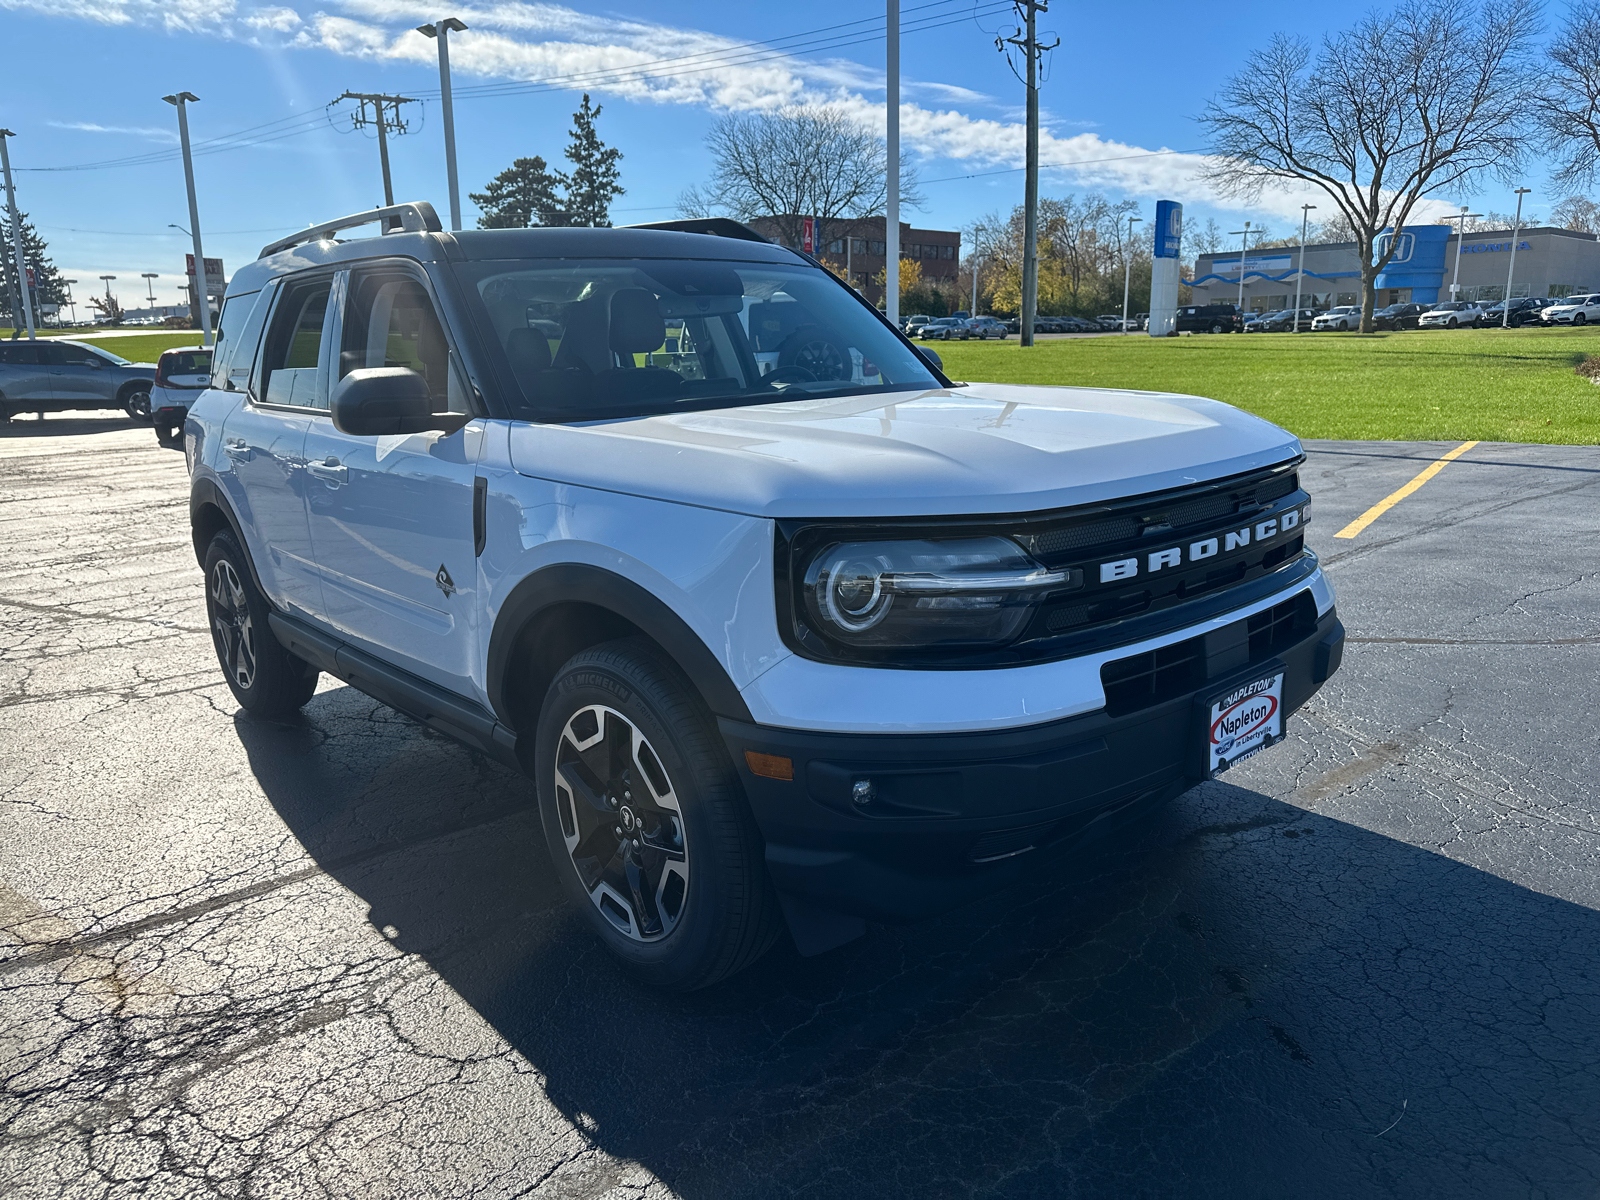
(329, 958)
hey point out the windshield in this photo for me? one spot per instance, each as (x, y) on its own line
(631, 337)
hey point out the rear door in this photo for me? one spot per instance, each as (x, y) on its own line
(391, 517)
(264, 441)
(25, 373)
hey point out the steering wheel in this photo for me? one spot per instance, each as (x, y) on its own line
(800, 375)
(812, 350)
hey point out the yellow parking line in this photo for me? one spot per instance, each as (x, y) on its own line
(1393, 498)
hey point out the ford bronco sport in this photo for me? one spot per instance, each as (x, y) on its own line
(786, 627)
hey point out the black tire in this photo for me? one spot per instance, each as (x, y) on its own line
(1216, 328)
(265, 679)
(726, 913)
(1579, 319)
(136, 403)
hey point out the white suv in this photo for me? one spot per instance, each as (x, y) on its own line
(1574, 310)
(1343, 318)
(787, 628)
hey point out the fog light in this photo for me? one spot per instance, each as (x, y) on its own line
(863, 793)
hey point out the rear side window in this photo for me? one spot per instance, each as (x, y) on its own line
(237, 336)
(21, 356)
(294, 347)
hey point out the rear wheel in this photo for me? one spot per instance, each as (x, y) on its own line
(646, 820)
(265, 678)
(136, 402)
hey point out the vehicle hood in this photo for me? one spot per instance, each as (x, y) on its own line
(984, 448)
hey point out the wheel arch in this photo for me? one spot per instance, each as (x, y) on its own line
(210, 512)
(560, 610)
(132, 386)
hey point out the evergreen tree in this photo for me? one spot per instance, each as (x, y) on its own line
(523, 194)
(593, 182)
(47, 285)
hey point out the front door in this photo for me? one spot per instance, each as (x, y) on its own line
(83, 375)
(391, 517)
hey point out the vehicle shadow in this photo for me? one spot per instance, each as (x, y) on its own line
(27, 424)
(1240, 997)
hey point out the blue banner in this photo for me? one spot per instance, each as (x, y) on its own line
(1169, 228)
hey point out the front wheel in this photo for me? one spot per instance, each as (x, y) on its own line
(1216, 329)
(1579, 319)
(647, 822)
(264, 678)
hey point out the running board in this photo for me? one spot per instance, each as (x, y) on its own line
(454, 716)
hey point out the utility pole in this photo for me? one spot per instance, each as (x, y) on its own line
(1516, 232)
(891, 208)
(440, 32)
(202, 297)
(1127, 269)
(384, 122)
(1033, 51)
(1300, 275)
(16, 234)
(1243, 254)
(1461, 236)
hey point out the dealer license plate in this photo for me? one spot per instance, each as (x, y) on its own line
(1246, 719)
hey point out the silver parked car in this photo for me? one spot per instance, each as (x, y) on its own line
(58, 376)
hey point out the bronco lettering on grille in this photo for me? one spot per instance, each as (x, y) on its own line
(1212, 547)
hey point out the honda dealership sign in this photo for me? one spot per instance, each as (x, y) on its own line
(1164, 269)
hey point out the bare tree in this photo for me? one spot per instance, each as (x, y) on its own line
(1576, 212)
(1422, 100)
(1567, 107)
(797, 162)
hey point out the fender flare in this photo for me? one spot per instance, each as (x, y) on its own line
(203, 493)
(596, 587)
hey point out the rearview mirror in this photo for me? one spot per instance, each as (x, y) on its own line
(374, 401)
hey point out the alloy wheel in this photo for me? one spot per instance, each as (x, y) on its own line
(622, 823)
(230, 620)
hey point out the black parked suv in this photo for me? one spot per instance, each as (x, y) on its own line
(1210, 318)
(1398, 316)
(1525, 310)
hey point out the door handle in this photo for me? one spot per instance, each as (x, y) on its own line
(236, 449)
(329, 470)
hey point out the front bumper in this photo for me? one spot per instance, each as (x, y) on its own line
(954, 816)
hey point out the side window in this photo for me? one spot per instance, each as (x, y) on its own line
(389, 321)
(234, 341)
(74, 356)
(294, 346)
(50, 355)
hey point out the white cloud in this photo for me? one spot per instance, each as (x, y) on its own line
(154, 133)
(277, 20)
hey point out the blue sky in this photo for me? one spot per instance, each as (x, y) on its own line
(83, 81)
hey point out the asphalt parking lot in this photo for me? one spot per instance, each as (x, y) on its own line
(330, 959)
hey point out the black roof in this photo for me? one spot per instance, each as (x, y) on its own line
(490, 244)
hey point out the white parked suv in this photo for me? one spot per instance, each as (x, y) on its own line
(788, 629)
(1452, 314)
(181, 375)
(1574, 310)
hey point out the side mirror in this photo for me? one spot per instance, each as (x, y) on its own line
(373, 401)
(97, 363)
(929, 353)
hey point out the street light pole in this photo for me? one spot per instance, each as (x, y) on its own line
(1243, 254)
(891, 208)
(440, 32)
(1516, 232)
(1300, 275)
(1461, 236)
(202, 297)
(1127, 268)
(73, 308)
(16, 234)
(148, 277)
(974, 309)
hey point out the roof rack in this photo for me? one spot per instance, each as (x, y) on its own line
(715, 226)
(415, 216)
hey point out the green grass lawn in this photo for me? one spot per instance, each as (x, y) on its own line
(146, 347)
(1490, 385)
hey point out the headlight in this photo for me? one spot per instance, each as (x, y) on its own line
(975, 590)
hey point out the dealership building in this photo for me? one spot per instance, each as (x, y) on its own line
(1549, 262)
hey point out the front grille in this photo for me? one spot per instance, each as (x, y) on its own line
(1153, 677)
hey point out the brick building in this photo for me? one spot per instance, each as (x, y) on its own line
(856, 246)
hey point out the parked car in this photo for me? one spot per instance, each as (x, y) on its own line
(1110, 322)
(55, 376)
(181, 375)
(912, 324)
(1209, 318)
(1397, 316)
(1258, 322)
(1525, 310)
(539, 552)
(1574, 310)
(945, 329)
(987, 327)
(1451, 314)
(1344, 317)
(1283, 321)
